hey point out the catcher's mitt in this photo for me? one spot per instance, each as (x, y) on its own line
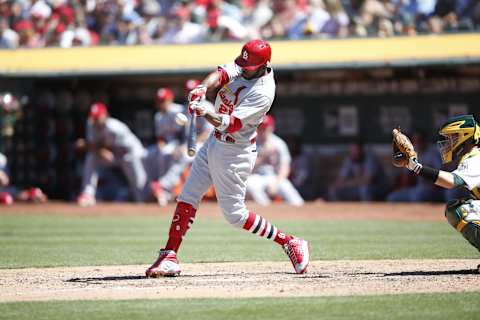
(403, 149)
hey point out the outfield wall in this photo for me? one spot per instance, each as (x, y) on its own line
(287, 55)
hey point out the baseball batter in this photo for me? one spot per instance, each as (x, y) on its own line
(461, 137)
(110, 141)
(246, 90)
(270, 175)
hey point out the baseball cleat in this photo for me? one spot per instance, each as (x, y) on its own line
(299, 253)
(85, 200)
(166, 265)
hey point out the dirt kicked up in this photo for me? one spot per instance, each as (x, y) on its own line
(241, 280)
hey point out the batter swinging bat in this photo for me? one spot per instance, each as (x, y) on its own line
(192, 134)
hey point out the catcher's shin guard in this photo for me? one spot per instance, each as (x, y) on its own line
(464, 216)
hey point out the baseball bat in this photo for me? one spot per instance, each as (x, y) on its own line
(192, 135)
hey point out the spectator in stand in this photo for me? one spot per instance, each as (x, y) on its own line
(421, 190)
(272, 169)
(8, 38)
(181, 30)
(70, 23)
(361, 177)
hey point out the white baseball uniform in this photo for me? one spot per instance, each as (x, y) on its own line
(228, 156)
(127, 150)
(469, 170)
(273, 154)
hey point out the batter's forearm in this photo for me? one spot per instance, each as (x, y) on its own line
(215, 119)
(212, 81)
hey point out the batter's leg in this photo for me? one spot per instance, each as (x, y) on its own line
(197, 184)
(230, 168)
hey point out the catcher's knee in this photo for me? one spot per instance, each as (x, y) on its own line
(464, 216)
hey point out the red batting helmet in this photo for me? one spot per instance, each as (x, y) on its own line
(97, 110)
(255, 53)
(164, 94)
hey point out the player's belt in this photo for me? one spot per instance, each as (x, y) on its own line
(226, 138)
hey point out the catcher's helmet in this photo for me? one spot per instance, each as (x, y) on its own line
(254, 54)
(458, 133)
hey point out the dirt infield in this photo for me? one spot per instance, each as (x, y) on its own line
(312, 210)
(244, 279)
(240, 280)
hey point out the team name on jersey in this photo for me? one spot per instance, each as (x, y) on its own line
(227, 105)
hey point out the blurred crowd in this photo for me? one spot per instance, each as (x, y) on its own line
(68, 23)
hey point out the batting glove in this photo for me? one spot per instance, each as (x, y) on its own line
(198, 108)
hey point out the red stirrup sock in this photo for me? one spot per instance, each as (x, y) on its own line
(259, 225)
(182, 220)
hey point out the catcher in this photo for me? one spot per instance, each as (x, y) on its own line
(461, 137)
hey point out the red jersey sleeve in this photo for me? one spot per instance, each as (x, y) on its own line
(224, 78)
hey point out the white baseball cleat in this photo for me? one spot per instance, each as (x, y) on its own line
(166, 265)
(86, 200)
(299, 253)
